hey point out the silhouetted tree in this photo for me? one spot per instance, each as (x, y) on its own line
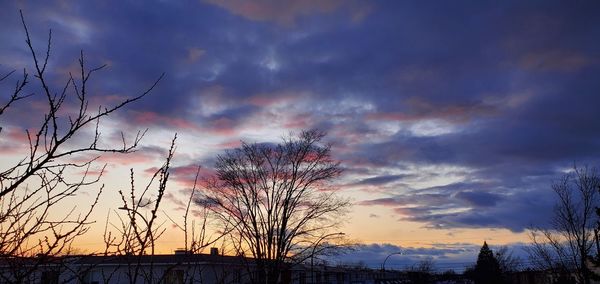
(595, 261)
(507, 261)
(52, 167)
(449, 276)
(139, 230)
(277, 200)
(509, 264)
(487, 269)
(569, 244)
(422, 272)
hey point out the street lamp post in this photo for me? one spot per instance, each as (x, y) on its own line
(312, 255)
(394, 253)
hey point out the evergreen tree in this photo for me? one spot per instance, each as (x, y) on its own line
(487, 269)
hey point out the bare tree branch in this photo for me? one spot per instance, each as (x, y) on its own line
(47, 176)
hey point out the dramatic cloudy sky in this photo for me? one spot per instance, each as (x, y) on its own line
(451, 118)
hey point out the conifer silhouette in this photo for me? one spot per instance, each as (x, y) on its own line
(487, 269)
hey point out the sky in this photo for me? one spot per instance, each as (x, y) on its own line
(451, 118)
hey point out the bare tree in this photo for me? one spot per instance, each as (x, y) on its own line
(569, 242)
(422, 271)
(43, 179)
(426, 265)
(507, 261)
(133, 237)
(277, 199)
(197, 236)
(139, 230)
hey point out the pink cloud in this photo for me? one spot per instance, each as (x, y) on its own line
(107, 100)
(152, 118)
(263, 100)
(194, 53)
(396, 116)
(222, 126)
(302, 121)
(185, 175)
(555, 60)
(407, 211)
(230, 144)
(16, 135)
(11, 149)
(93, 173)
(138, 157)
(421, 109)
(285, 13)
(117, 159)
(14, 141)
(175, 200)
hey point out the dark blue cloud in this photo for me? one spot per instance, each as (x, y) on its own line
(473, 205)
(379, 180)
(454, 256)
(479, 199)
(443, 256)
